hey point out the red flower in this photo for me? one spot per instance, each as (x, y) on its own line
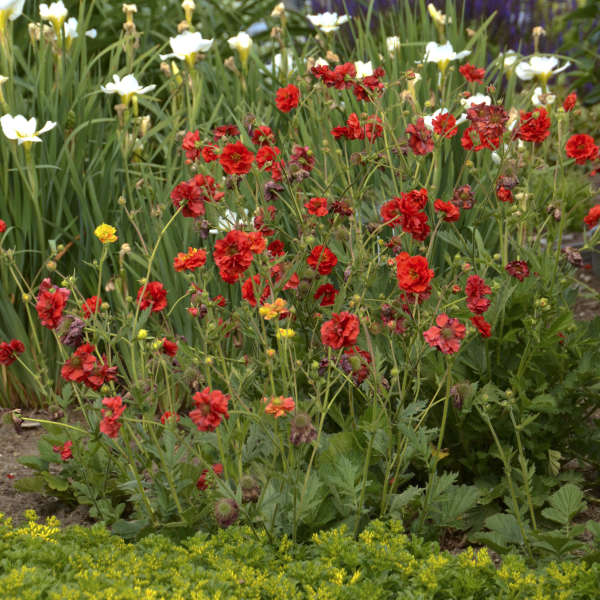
(447, 335)
(9, 351)
(278, 406)
(64, 450)
(263, 136)
(445, 125)
(225, 131)
(248, 288)
(581, 147)
(489, 122)
(534, 126)
(341, 77)
(2, 226)
(192, 260)
(110, 423)
(202, 484)
(91, 306)
(504, 194)
(257, 242)
(276, 248)
(168, 415)
(152, 295)
(370, 83)
(416, 225)
(463, 197)
(413, 273)
(327, 293)
(452, 212)
(287, 98)
(191, 145)
(391, 212)
(195, 193)
(322, 259)
(475, 290)
(484, 328)
(317, 207)
(302, 157)
(341, 331)
(211, 407)
(83, 367)
(233, 255)
(266, 155)
(169, 348)
(472, 73)
(210, 153)
(591, 219)
(51, 302)
(570, 101)
(236, 159)
(518, 269)
(420, 140)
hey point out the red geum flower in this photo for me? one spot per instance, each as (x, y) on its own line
(534, 126)
(248, 288)
(266, 155)
(211, 407)
(420, 139)
(225, 131)
(233, 255)
(191, 144)
(472, 73)
(317, 207)
(370, 83)
(322, 259)
(302, 157)
(169, 348)
(356, 361)
(189, 261)
(504, 194)
(341, 77)
(413, 273)
(169, 415)
(202, 484)
(581, 147)
(91, 306)
(276, 248)
(210, 153)
(2, 226)
(591, 219)
(64, 450)
(475, 290)
(391, 212)
(484, 328)
(450, 210)
(489, 121)
(195, 193)
(263, 136)
(416, 225)
(287, 98)
(153, 295)
(570, 101)
(340, 331)
(236, 159)
(518, 269)
(51, 302)
(327, 294)
(446, 334)
(463, 197)
(445, 125)
(83, 367)
(110, 424)
(9, 351)
(278, 406)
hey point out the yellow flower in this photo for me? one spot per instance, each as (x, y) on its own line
(270, 311)
(285, 333)
(106, 233)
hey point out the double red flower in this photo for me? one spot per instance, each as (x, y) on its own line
(152, 295)
(211, 408)
(581, 147)
(236, 159)
(413, 273)
(340, 331)
(84, 367)
(287, 98)
(322, 259)
(195, 193)
(9, 351)
(110, 424)
(51, 302)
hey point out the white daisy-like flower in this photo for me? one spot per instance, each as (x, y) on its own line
(541, 67)
(475, 99)
(392, 43)
(186, 45)
(328, 22)
(56, 13)
(277, 64)
(11, 10)
(428, 120)
(363, 69)
(539, 98)
(126, 88)
(242, 42)
(70, 30)
(229, 221)
(23, 130)
(509, 58)
(442, 54)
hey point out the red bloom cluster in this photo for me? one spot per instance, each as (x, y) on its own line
(223, 131)
(64, 450)
(2, 226)
(202, 484)
(236, 159)
(408, 212)
(169, 348)
(191, 260)
(366, 86)
(445, 125)
(327, 294)
(420, 139)
(355, 361)
(413, 273)
(570, 101)
(192, 146)
(9, 351)
(233, 254)
(504, 194)
(263, 136)
(518, 269)
(91, 306)
(322, 259)
(317, 207)
(450, 210)
(51, 302)
(110, 423)
(287, 98)
(487, 127)
(250, 285)
(472, 73)
(484, 328)
(84, 367)
(340, 331)
(446, 334)
(534, 126)
(591, 219)
(195, 192)
(343, 77)
(582, 148)
(266, 159)
(476, 290)
(152, 295)
(211, 407)
(353, 130)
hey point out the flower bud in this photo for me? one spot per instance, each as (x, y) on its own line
(226, 512)
(142, 334)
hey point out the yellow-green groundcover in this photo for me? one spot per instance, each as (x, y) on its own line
(44, 561)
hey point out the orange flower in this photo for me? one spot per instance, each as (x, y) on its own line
(278, 406)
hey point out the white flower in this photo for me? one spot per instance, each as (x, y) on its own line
(438, 17)
(392, 43)
(327, 22)
(56, 13)
(3, 79)
(70, 28)
(10, 9)
(23, 130)
(228, 221)
(509, 59)
(442, 54)
(542, 67)
(475, 99)
(363, 69)
(277, 63)
(126, 88)
(242, 41)
(428, 120)
(186, 45)
(321, 62)
(539, 98)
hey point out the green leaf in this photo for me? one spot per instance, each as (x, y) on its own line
(55, 483)
(35, 483)
(565, 504)
(403, 499)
